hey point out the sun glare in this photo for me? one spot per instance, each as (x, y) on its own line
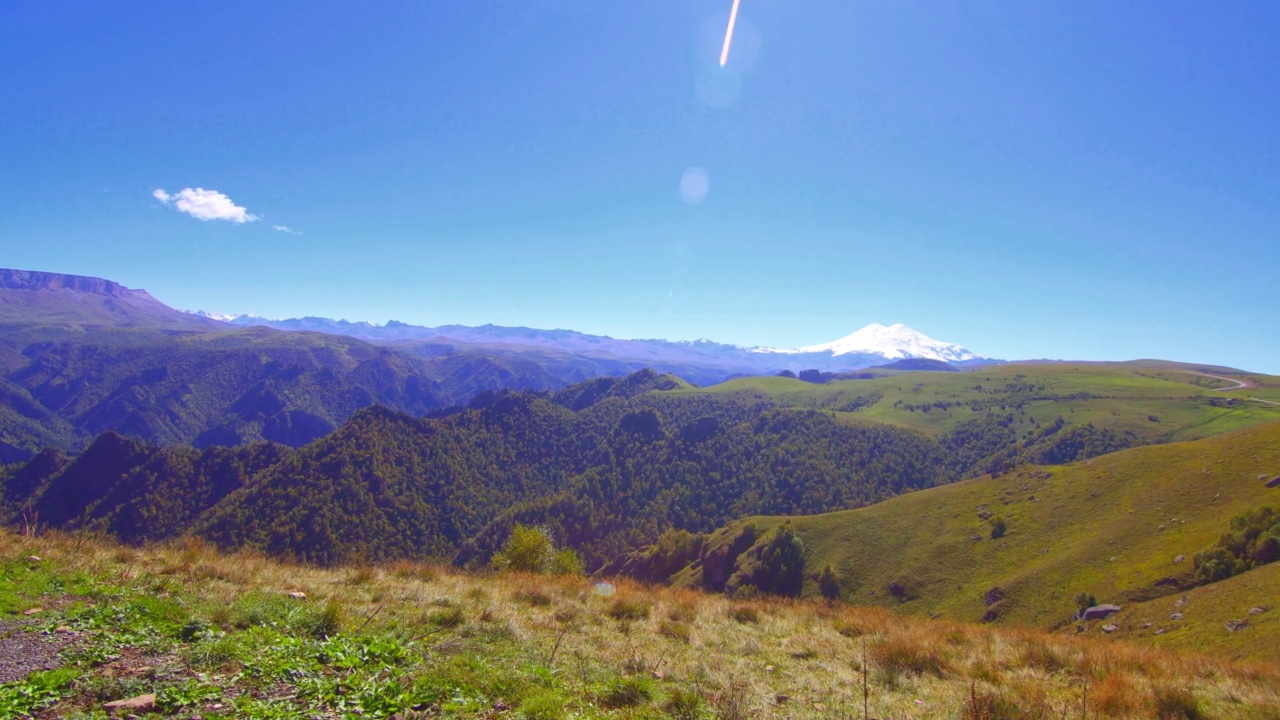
(728, 34)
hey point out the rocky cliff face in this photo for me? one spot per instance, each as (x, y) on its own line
(50, 299)
(29, 280)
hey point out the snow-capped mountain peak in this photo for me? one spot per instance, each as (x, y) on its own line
(893, 342)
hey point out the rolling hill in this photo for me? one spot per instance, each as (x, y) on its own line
(1124, 527)
(606, 466)
(1048, 413)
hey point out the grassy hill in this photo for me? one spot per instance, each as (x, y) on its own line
(1207, 614)
(1157, 401)
(1112, 526)
(189, 632)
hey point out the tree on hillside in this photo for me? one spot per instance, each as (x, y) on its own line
(531, 549)
(828, 584)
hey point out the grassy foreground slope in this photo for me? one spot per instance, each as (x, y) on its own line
(1205, 614)
(1157, 401)
(196, 634)
(1112, 526)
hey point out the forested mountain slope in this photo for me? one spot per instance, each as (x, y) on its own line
(606, 478)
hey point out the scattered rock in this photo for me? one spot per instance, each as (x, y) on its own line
(1234, 625)
(33, 611)
(782, 698)
(659, 675)
(33, 558)
(1146, 626)
(1099, 612)
(1274, 482)
(1110, 628)
(142, 703)
(993, 596)
(1257, 611)
(501, 705)
(1176, 616)
(1159, 632)
(298, 595)
(1079, 628)
(1180, 601)
(1180, 559)
(820, 707)
(768, 668)
(23, 652)
(64, 630)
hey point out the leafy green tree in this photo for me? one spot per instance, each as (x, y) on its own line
(1254, 540)
(528, 549)
(531, 549)
(565, 562)
(828, 584)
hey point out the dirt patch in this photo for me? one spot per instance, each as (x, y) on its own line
(24, 650)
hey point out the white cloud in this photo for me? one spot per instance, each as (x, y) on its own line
(205, 205)
(285, 229)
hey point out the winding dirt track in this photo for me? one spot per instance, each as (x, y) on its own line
(1238, 385)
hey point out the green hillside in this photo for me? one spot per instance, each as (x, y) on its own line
(1208, 614)
(62, 387)
(606, 478)
(1157, 401)
(1111, 527)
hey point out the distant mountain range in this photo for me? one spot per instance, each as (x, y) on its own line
(699, 361)
(81, 355)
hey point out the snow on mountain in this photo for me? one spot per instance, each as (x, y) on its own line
(220, 317)
(893, 342)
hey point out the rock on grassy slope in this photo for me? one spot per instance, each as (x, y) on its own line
(1112, 527)
(196, 633)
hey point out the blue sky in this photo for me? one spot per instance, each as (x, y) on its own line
(1083, 179)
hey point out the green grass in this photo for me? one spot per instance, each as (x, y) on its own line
(219, 636)
(1123, 396)
(1206, 611)
(1111, 527)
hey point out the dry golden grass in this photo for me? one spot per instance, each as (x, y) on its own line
(760, 659)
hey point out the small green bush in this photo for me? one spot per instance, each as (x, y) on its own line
(543, 706)
(528, 549)
(829, 584)
(675, 630)
(1176, 703)
(626, 609)
(683, 704)
(531, 549)
(998, 527)
(446, 618)
(626, 692)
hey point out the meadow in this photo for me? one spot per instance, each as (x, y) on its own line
(195, 633)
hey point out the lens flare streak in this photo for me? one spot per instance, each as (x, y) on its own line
(728, 34)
